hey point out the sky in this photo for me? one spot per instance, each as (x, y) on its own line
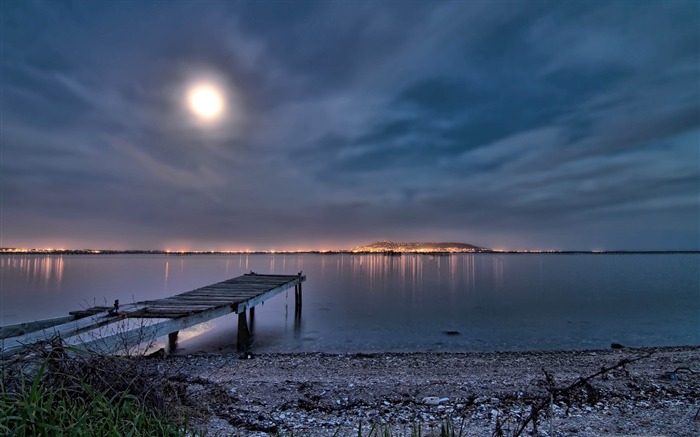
(511, 125)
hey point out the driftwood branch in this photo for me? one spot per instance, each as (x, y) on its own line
(554, 393)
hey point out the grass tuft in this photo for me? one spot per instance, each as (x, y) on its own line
(59, 395)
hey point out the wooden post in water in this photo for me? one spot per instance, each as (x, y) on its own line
(252, 320)
(243, 333)
(172, 341)
(297, 311)
(297, 300)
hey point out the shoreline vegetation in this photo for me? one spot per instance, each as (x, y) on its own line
(613, 392)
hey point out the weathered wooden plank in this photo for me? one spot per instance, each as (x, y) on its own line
(261, 279)
(237, 287)
(223, 296)
(268, 294)
(27, 327)
(255, 279)
(198, 302)
(219, 292)
(108, 344)
(211, 302)
(169, 313)
(235, 284)
(226, 297)
(183, 310)
(165, 315)
(192, 305)
(14, 344)
(230, 289)
(253, 283)
(89, 311)
(208, 304)
(212, 294)
(226, 292)
(205, 301)
(247, 279)
(268, 275)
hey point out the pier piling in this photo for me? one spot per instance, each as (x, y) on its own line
(297, 299)
(251, 322)
(243, 340)
(172, 341)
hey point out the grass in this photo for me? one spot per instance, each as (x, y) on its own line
(60, 391)
(39, 410)
(67, 396)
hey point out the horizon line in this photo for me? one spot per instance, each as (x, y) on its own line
(87, 251)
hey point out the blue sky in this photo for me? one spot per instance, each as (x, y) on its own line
(562, 125)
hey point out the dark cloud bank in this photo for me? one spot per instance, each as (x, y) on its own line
(568, 125)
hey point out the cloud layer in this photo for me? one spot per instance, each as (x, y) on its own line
(501, 124)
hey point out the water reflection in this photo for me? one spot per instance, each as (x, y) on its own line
(167, 264)
(378, 302)
(498, 267)
(34, 269)
(408, 271)
(381, 269)
(196, 330)
(175, 339)
(241, 265)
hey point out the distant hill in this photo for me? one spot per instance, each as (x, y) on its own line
(390, 246)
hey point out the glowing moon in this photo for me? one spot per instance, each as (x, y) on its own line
(206, 101)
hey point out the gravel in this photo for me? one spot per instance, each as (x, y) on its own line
(319, 394)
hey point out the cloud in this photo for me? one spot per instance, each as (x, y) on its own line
(536, 123)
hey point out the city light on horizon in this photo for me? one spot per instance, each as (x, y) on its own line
(377, 248)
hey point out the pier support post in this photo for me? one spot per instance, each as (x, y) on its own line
(297, 310)
(243, 340)
(297, 300)
(172, 341)
(251, 323)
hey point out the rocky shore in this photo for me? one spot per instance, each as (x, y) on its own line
(649, 391)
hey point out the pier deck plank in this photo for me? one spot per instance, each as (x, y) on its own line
(181, 311)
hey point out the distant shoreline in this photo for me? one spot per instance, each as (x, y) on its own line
(13, 251)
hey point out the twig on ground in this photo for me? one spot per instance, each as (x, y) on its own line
(555, 393)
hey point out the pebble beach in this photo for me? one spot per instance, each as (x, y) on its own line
(646, 392)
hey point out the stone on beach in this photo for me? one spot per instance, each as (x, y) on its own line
(430, 400)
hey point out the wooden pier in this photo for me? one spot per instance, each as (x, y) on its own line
(109, 329)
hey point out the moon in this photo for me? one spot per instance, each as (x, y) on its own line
(206, 101)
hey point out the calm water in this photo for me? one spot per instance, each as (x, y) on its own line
(380, 303)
